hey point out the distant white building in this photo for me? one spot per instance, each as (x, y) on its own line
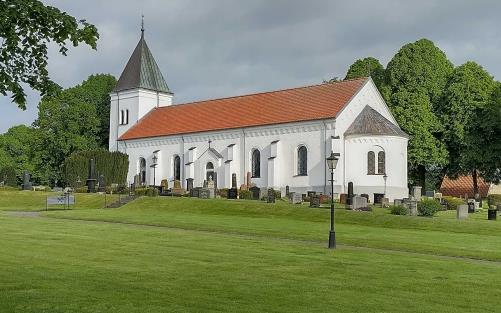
(281, 138)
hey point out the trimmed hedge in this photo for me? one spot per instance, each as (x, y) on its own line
(428, 207)
(113, 165)
(453, 202)
(245, 194)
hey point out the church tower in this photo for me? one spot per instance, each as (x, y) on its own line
(140, 88)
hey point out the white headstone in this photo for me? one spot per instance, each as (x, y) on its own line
(462, 211)
(359, 203)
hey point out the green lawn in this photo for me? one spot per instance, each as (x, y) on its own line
(245, 256)
(35, 200)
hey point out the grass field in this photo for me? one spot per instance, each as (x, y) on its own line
(190, 255)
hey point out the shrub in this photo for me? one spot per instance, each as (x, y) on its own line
(494, 199)
(399, 210)
(278, 194)
(453, 202)
(8, 176)
(428, 207)
(223, 192)
(245, 194)
(146, 191)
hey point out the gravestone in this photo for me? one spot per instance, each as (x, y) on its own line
(413, 204)
(359, 203)
(177, 184)
(195, 192)
(462, 211)
(255, 192)
(416, 193)
(102, 186)
(189, 184)
(234, 180)
(378, 197)
(397, 202)
(204, 193)
(232, 193)
(27, 185)
(271, 196)
(471, 205)
(385, 202)
(315, 201)
(438, 196)
(492, 214)
(342, 198)
(311, 194)
(248, 179)
(91, 180)
(287, 191)
(263, 193)
(349, 199)
(296, 198)
(366, 196)
(430, 193)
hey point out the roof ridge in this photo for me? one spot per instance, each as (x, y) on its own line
(268, 92)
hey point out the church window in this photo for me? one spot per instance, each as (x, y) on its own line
(122, 117)
(142, 171)
(126, 117)
(177, 168)
(381, 162)
(209, 170)
(302, 161)
(256, 163)
(371, 163)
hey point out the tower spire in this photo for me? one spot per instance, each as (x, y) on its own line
(142, 25)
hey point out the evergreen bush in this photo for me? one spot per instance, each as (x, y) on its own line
(399, 210)
(453, 202)
(428, 207)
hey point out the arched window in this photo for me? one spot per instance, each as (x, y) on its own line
(142, 171)
(126, 117)
(209, 170)
(256, 163)
(381, 162)
(177, 168)
(371, 163)
(122, 117)
(302, 161)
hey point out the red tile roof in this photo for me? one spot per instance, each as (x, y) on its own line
(275, 107)
(463, 185)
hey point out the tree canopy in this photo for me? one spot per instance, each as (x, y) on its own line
(367, 67)
(27, 27)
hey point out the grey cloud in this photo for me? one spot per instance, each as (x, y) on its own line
(218, 48)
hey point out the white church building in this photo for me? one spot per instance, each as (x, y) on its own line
(278, 138)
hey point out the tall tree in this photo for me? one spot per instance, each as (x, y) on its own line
(72, 120)
(415, 78)
(367, 67)
(20, 145)
(26, 27)
(468, 89)
(483, 138)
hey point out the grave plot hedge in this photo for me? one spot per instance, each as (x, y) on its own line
(113, 165)
(428, 207)
(453, 202)
(399, 210)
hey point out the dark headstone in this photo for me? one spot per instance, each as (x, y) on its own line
(287, 191)
(271, 196)
(195, 192)
(91, 180)
(232, 193)
(102, 186)
(204, 193)
(492, 214)
(314, 201)
(378, 197)
(27, 185)
(342, 198)
(311, 194)
(189, 184)
(255, 191)
(349, 199)
(234, 181)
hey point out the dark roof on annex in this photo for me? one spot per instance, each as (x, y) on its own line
(142, 71)
(371, 122)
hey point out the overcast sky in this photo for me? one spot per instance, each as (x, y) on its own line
(217, 48)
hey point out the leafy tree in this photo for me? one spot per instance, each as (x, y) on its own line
(367, 67)
(415, 79)
(482, 138)
(20, 145)
(5, 159)
(468, 89)
(26, 27)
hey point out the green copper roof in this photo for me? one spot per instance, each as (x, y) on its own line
(142, 71)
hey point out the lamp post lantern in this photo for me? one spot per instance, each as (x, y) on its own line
(332, 163)
(385, 177)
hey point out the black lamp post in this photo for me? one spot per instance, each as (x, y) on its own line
(154, 165)
(332, 163)
(385, 177)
